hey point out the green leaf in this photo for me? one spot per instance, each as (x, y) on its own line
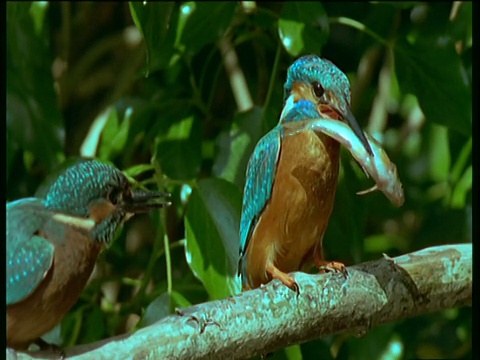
(434, 73)
(303, 27)
(463, 159)
(462, 189)
(153, 20)
(156, 310)
(201, 23)
(179, 300)
(180, 151)
(236, 145)
(438, 153)
(114, 135)
(384, 243)
(212, 223)
(37, 11)
(94, 326)
(461, 26)
(293, 352)
(33, 117)
(138, 169)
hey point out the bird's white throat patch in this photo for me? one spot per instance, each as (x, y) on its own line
(83, 223)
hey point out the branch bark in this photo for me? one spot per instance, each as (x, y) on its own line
(273, 316)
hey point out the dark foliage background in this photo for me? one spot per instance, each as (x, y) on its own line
(144, 86)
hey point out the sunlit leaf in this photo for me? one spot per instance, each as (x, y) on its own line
(303, 27)
(114, 134)
(201, 23)
(383, 243)
(439, 155)
(180, 151)
(461, 190)
(212, 222)
(293, 352)
(462, 160)
(37, 11)
(138, 169)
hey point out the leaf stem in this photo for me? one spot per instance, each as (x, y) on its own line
(359, 26)
(168, 263)
(271, 84)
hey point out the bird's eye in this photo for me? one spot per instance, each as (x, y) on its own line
(114, 195)
(318, 89)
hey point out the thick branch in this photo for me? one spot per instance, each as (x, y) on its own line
(273, 316)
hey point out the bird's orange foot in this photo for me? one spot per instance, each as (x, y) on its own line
(286, 279)
(334, 266)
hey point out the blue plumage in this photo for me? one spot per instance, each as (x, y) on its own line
(315, 88)
(261, 171)
(28, 256)
(302, 110)
(311, 68)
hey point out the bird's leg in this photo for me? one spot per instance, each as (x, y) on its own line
(286, 279)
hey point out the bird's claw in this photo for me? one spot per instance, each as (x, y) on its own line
(295, 288)
(201, 322)
(333, 266)
(286, 279)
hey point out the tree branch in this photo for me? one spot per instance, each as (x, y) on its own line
(273, 316)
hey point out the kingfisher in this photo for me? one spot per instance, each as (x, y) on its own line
(53, 243)
(291, 180)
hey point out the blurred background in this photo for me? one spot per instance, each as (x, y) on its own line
(177, 95)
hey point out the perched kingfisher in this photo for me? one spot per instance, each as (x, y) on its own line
(291, 180)
(53, 243)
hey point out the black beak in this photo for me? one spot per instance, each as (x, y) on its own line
(144, 201)
(352, 122)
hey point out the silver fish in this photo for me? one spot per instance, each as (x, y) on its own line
(378, 166)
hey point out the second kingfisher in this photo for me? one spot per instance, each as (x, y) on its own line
(291, 181)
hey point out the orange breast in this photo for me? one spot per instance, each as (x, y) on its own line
(73, 263)
(292, 225)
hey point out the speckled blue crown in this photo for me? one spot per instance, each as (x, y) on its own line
(310, 68)
(81, 183)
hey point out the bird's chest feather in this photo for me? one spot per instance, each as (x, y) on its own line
(74, 258)
(303, 195)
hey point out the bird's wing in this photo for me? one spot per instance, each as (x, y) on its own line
(261, 170)
(29, 256)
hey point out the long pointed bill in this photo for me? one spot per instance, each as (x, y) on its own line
(145, 201)
(352, 122)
